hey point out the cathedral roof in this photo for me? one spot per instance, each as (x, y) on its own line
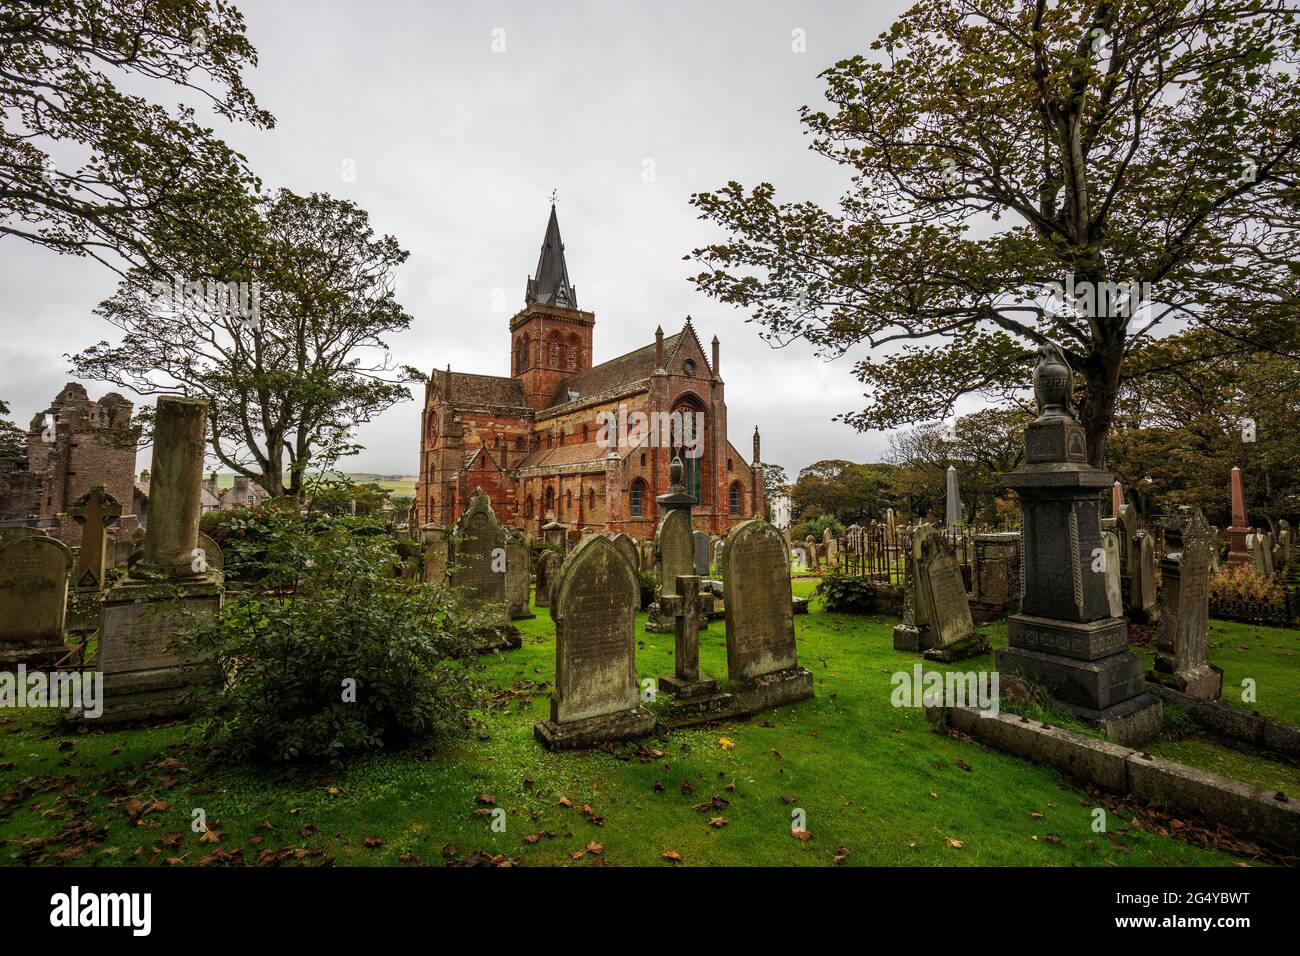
(467, 388)
(578, 453)
(624, 370)
(550, 282)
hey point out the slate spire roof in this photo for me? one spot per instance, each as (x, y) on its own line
(550, 284)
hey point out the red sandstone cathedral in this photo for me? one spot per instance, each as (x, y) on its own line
(539, 441)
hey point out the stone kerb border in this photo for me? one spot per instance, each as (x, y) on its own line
(1217, 717)
(1263, 814)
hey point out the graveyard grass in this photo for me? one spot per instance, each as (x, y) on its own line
(871, 779)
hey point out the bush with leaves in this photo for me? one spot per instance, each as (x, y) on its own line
(847, 593)
(1242, 584)
(337, 657)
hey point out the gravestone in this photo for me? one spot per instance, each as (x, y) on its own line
(548, 567)
(14, 532)
(33, 600)
(170, 582)
(478, 571)
(96, 511)
(210, 554)
(594, 605)
(436, 554)
(517, 579)
(832, 553)
(1255, 548)
(762, 664)
(647, 556)
(1114, 592)
(1143, 600)
(1182, 636)
(853, 539)
(1238, 530)
(1268, 552)
(674, 557)
(907, 633)
(554, 534)
(941, 626)
(1284, 541)
(1065, 638)
(692, 695)
(700, 565)
(810, 546)
(628, 548)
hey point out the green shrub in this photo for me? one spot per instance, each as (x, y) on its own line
(290, 655)
(647, 585)
(847, 593)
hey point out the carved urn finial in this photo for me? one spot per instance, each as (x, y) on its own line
(1053, 383)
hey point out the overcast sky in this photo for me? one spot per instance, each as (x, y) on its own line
(624, 108)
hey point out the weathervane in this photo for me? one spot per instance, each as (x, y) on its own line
(554, 196)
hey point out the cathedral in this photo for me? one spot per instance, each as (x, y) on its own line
(550, 443)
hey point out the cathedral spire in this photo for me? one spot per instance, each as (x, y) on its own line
(550, 283)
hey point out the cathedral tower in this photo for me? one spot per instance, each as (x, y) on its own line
(550, 339)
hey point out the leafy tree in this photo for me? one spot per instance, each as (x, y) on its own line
(982, 446)
(13, 440)
(775, 484)
(89, 169)
(292, 367)
(842, 490)
(1179, 430)
(996, 148)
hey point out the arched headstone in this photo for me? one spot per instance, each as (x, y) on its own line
(761, 655)
(594, 604)
(33, 599)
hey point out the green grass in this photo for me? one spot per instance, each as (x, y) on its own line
(870, 778)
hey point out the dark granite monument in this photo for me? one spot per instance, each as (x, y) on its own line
(1065, 638)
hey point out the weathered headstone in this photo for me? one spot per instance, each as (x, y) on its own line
(1143, 602)
(942, 626)
(1114, 588)
(96, 511)
(1065, 637)
(554, 534)
(623, 541)
(517, 560)
(548, 568)
(832, 554)
(685, 683)
(700, 564)
(479, 572)
(1182, 641)
(762, 663)
(674, 557)
(436, 554)
(647, 549)
(33, 600)
(1285, 542)
(210, 554)
(171, 582)
(594, 605)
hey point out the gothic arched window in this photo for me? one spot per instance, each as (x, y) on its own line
(555, 350)
(572, 359)
(591, 500)
(637, 496)
(733, 498)
(550, 499)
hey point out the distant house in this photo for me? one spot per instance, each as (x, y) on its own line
(244, 493)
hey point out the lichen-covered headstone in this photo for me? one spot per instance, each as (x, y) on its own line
(761, 657)
(1182, 635)
(517, 579)
(548, 568)
(594, 604)
(33, 600)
